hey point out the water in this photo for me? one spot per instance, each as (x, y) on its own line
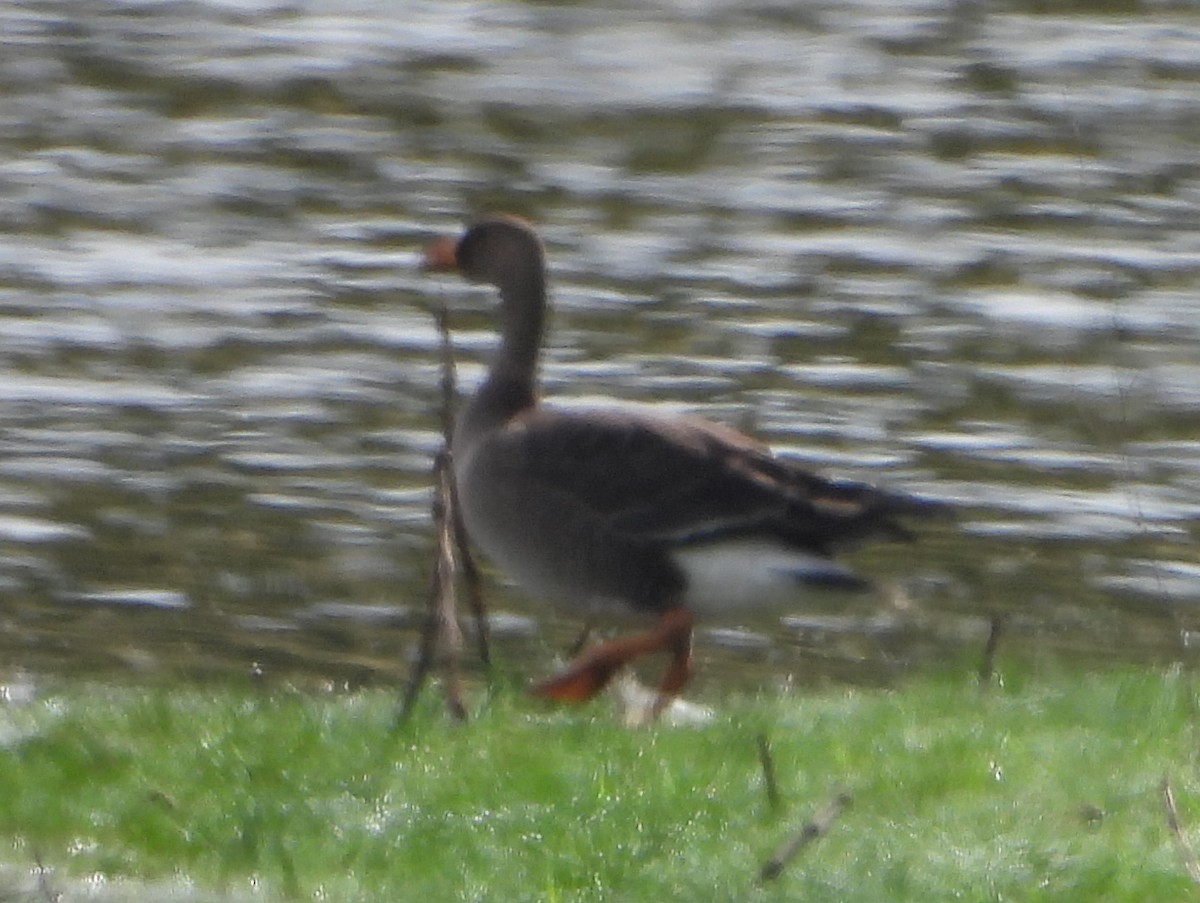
(949, 247)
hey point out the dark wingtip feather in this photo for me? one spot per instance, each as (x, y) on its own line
(861, 512)
(891, 505)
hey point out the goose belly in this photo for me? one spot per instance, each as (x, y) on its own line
(731, 577)
(552, 558)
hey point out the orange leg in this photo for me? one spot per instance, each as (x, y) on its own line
(679, 669)
(591, 672)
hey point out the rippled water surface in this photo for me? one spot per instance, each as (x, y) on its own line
(946, 246)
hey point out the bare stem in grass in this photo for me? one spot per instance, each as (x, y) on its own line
(471, 581)
(770, 785)
(1186, 853)
(817, 827)
(447, 599)
(430, 631)
(47, 893)
(466, 562)
(452, 560)
(987, 665)
(576, 647)
(441, 618)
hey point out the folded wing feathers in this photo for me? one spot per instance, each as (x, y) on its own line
(685, 480)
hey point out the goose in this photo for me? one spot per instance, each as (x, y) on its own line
(604, 510)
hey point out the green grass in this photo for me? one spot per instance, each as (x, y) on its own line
(1047, 788)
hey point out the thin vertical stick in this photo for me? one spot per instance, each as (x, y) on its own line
(451, 558)
(580, 641)
(439, 579)
(424, 661)
(466, 562)
(987, 665)
(48, 894)
(446, 534)
(471, 581)
(770, 785)
(447, 607)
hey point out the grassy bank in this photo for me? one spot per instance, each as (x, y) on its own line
(1047, 788)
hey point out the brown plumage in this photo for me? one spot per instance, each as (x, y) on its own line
(606, 509)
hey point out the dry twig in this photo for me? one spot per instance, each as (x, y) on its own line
(463, 558)
(770, 785)
(471, 581)
(446, 599)
(580, 641)
(1186, 853)
(817, 827)
(441, 622)
(48, 893)
(987, 665)
(451, 560)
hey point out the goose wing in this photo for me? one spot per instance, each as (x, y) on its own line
(680, 480)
